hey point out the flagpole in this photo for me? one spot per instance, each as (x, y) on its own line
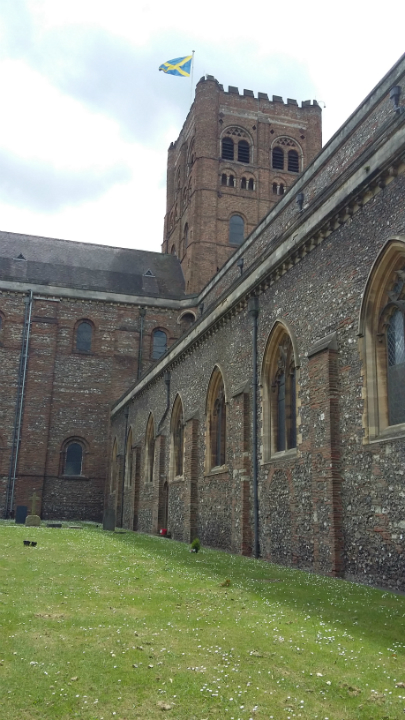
(192, 78)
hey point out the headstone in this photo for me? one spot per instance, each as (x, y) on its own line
(33, 520)
(21, 513)
(109, 519)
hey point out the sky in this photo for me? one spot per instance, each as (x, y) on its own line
(86, 118)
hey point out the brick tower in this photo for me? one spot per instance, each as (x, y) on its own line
(235, 156)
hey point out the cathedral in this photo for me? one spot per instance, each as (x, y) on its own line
(246, 386)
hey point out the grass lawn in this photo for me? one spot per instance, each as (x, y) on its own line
(107, 626)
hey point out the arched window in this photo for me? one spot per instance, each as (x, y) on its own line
(251, 184)
(243, 183)
(383, 331)
(236, 230)
(128, 461)
(159, 344)
(227, 148)
(280, 403)
(173, 250)
(243, 151)
(275, 189)
(293, 161)
(114, 467)
(84, 334)
(177, 439)
(186, 320)
(186, 235)
(149, 449)
(281, 189)
(216, 406)
(395, 342)
(278, 158)
(231, 181)
(224, 179)
(73, 459)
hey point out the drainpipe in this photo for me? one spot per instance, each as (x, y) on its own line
(142, 313)
(253, 308)
(22, 376)
(167, 383)
(124, 464)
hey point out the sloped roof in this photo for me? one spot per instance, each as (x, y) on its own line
(66, 263)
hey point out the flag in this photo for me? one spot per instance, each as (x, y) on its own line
(179, 66)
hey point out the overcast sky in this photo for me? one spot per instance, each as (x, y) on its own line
(86, 118)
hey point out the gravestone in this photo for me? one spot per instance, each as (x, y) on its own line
(109, 519)
(33, 520)
(21, 513)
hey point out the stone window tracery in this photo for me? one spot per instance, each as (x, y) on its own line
(216, 421)
(279, 393)
(382, 327)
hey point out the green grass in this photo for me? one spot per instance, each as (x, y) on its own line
(121, 626)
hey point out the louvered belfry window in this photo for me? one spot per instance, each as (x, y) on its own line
(293, 161)
(227, 148)
(396, 368)
(243, 151)
(278, 158)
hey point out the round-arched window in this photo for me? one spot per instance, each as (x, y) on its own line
(236, 230)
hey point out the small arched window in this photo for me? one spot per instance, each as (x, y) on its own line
(128, 461)
(243, 183)
(243, 151)
(236, 230)
(251, 184)
(275, 189)
(173, 250)
(217, 421)
(231, 181)
(73, 459)
(293, 161)
(227, 148)
(159, 344)
(281, 189)
(224, 179)
(84, 334)
(278, 158)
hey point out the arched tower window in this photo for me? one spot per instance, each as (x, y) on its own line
(243, 183)
(159, 344)
(177, 438)
(236, 230)
(278, 158)
(243, 151)
(227, 148)
(216, 420)
(224, 179)
(251, 184)
(279, 393)
(293, 161)
(84, 335)
(149, 449)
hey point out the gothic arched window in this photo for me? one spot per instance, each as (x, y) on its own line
(236, 230)
(227, 148)
(216, 409)
(279, 399)
(382, 327)
(128, 460)
(149, 449)
(84, 335)
(159, 344)
(177, 440)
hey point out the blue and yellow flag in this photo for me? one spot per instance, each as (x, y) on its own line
(179, 66)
